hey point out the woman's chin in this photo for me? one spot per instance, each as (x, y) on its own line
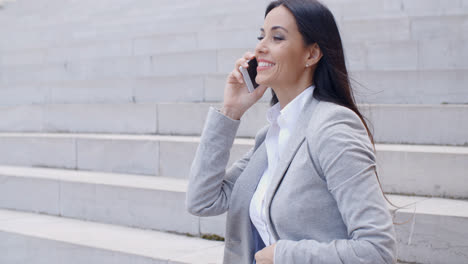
(262, 81)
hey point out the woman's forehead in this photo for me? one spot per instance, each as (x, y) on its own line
(280, 16)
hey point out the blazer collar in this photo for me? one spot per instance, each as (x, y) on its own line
(295, 141)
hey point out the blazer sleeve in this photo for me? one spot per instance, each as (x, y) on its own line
(210, 185)
(345, 156)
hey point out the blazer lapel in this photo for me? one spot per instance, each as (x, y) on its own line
(295, 141)
(254, 171)
(240, 245)
(248, 181)
(255, 168)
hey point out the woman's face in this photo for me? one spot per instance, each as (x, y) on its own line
(281, 52)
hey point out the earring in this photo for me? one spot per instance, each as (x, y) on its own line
(307, 65)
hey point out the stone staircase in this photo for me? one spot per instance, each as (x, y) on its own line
(102, 104)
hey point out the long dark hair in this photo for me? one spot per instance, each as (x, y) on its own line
(317, 25)
(332, 84)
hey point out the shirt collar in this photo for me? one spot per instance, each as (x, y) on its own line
(273, 113)
(290, 113)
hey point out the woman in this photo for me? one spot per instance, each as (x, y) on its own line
(307, 192)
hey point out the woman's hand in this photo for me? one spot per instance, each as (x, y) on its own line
(237, 99)
(266, 255)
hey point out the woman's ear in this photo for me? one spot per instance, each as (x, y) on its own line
(314, 55)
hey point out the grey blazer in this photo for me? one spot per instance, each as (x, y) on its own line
(324, 204)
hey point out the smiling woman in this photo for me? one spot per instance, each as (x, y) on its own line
(282, 45)
(307, 192)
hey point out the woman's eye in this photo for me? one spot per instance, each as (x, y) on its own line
(278, 38)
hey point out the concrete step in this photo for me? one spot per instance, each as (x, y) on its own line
(156, 203)
(125, 11)
(34, 238)
(341, 9)
(405, 45)
(208, 62)
(139, 118)
(394, 124)
(183, 88)
(410, 87)
(408, 52)
(429, 230)
(406, 55)
(227, 16)
(130, 67)
(66, 35)
(408, 58)
(145, 154)
(3, 3)
(391, 123)
(377, 87)
(360, 9)
(403, 169)
(153, 44)
(82, 118)
(366, 51)
(418, 124)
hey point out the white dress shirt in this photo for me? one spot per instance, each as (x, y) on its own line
(282, 124)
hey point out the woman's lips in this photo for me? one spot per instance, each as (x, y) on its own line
(264, 65)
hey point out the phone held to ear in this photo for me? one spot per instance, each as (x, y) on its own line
(249, 74)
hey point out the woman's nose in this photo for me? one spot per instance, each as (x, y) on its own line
(260, 48)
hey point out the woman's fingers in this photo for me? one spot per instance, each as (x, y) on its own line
(238, 76)
(241, 62)
(249, 55)
(236, 95)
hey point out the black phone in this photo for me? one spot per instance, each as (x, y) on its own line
(249, 74)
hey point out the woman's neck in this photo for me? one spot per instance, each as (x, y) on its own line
(287, 93)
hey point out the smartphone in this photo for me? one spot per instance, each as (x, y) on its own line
(249, 74)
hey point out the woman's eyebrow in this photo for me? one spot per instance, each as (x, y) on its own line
(275, 27)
